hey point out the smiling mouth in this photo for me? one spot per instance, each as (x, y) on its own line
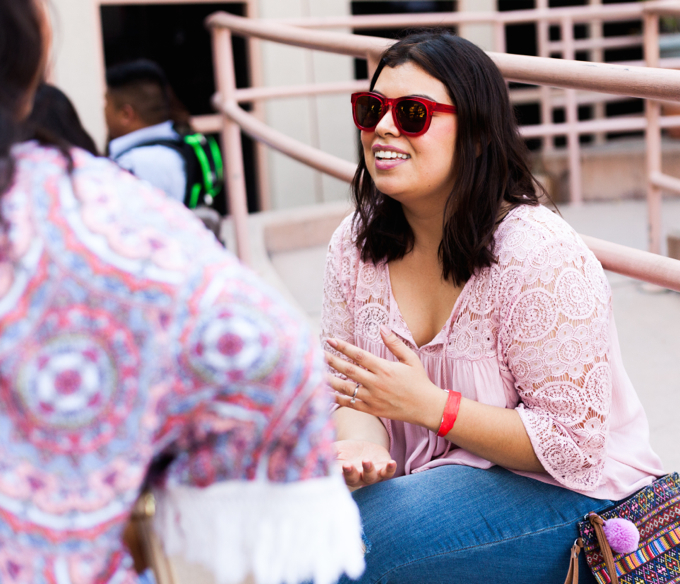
(390, 155)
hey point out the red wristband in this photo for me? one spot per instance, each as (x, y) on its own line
(450, 412)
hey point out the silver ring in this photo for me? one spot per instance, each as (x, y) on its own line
(354, 396)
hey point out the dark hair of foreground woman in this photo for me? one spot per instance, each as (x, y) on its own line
(490, 161)
(21, 59)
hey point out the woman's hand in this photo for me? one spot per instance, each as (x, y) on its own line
(394, 390)
(364, 463)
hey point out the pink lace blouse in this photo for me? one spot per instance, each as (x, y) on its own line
(534, 332)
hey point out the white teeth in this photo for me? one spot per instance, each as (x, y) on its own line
(388, 154)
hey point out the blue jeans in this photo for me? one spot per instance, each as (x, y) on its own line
(456, 524)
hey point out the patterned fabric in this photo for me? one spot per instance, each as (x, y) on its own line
(534, 332)
(656, 513)
(127, 333)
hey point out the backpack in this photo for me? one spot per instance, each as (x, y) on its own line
(203, 166)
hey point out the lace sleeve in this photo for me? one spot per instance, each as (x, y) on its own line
(556, 343)
(337, 313)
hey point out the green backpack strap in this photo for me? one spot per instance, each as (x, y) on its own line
(212, 180)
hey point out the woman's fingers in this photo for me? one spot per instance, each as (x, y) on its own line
(347, 388)
(368, 474)
(352, 475)
(389, 470)
(359, 356)
(396, 346)
(343, 386)
(348, 369)
(346, 402)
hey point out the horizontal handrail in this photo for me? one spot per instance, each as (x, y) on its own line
(259, 93)
(663, 181)
(644, 82)
(618, 124)
(578, 14)
(635, 263)
(333, 42)
(301, 152)
(661, 7)
(617, 42)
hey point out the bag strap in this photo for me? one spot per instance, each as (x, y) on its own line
(174, 144)
(597, 522)
(572, 574)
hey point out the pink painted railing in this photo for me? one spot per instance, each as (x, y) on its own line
(650, 83)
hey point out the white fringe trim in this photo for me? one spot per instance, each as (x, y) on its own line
(280, 533)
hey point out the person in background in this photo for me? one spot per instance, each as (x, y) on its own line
(54, 113)
(139, 106)
(132, 345)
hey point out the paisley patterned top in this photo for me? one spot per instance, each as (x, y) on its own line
(127, 333)
(533, 332)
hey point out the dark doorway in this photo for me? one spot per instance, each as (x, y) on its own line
(392, 7)
(175, 36)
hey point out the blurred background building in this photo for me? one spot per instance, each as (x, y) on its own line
(93, 34)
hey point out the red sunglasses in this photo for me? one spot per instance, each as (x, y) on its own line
(412, 115)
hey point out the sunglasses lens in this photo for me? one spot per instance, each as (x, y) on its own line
(368, 111)
(412, 115)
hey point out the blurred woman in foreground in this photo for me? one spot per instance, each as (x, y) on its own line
(128, 336)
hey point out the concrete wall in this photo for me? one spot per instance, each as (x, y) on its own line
(480, 34)
(611, 171)
(78, 63)
(324, 122)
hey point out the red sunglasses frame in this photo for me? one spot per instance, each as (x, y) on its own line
(387, 104)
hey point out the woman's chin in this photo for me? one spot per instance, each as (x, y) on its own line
(391, 187)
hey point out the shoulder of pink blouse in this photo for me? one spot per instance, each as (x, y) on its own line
(342, 265)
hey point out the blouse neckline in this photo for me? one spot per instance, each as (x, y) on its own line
(397, 322)
(398, 325)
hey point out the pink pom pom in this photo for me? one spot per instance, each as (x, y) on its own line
(622, 535)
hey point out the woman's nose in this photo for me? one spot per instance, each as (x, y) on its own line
(386, 124)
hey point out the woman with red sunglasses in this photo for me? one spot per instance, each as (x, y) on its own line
(484, 408)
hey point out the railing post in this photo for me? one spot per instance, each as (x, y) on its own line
(653, 136)
(231, 141)
(499, 36)
(546, 103)
(597, 55)
(258, 108)
(571, 107)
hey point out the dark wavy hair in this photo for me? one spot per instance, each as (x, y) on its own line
(54, 115)
(490, 161)
(21, 50)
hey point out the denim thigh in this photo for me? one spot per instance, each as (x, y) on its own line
(456, 524)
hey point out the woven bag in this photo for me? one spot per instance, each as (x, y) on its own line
(655, 511)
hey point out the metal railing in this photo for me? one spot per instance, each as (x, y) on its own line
(650, 83)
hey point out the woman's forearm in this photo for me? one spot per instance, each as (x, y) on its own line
(497, 434)
(402, 391)
(494, 433)
(354, 425)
